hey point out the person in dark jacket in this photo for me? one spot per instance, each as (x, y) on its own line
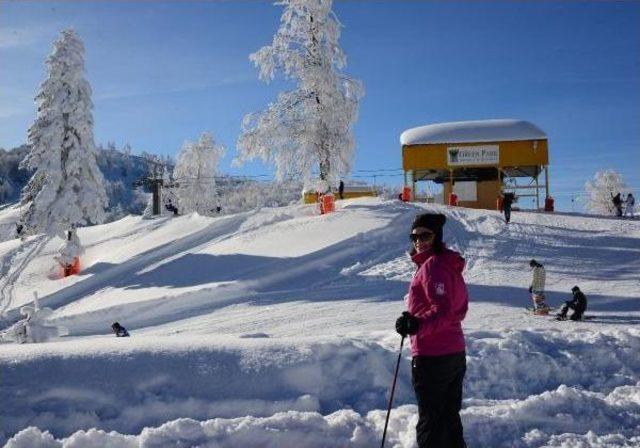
(617, 204)
(172, 208)
(437, 303)
(507, 202)
(578, 304)
(119, 330)
(341, 190)
(19, 229)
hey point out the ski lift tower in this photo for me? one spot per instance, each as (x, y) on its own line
(154, 181)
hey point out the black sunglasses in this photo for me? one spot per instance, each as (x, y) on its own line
(422, 236)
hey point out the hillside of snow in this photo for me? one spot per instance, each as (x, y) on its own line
(275, 328)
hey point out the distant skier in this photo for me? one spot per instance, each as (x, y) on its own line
(19, 229)
(341, 190)
(437, 303)
(629, 205)
(507, 200)
(172, 208)
(119, 330)
(578, 304)
(537, 288)
(617, 204)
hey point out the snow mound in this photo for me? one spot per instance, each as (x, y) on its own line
(509, 375)
(579, 418)
(472, 131)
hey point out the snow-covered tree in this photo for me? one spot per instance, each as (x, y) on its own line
(34, 327)
(601, 190)
(309, 127)
(239, 195)
(67, 188)
(194, 172)
(6, 189)
(70, 249)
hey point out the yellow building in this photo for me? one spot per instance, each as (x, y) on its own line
(350, 192)
(478, 159)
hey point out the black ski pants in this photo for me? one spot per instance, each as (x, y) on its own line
(507, 213)
(437, 382)
(578, 310)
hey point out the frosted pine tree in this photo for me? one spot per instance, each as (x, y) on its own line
(67, 189)
(601, 190)
(194, 172)
(309, 127)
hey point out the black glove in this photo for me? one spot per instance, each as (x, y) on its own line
(530, 289)
(407, 324)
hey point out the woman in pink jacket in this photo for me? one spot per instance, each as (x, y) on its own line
(437, 303)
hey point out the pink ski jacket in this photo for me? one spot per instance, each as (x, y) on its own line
(438, 297)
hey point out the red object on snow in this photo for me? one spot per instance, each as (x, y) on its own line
(73, 268)
(548, 204)
(453, 199)
(327, 203)
(406, 194)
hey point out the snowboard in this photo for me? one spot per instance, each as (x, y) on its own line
(546, 312)
(530, 312)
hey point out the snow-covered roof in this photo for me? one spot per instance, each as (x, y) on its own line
(472, 131)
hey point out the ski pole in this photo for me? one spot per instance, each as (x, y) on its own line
(393, 388)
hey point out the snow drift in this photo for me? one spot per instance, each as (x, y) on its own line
(275, 328)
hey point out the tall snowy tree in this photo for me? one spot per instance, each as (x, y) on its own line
(309, 127)
(194, 172)
(601, 190)
(67, 188)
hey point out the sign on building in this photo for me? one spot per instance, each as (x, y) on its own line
(473, 155)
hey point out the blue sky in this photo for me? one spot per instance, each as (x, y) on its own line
(163, 72)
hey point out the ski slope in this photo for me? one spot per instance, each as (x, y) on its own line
(274, 328)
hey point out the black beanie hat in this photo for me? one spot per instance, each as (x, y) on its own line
(431, 221)
(575, 289)
(435, 223)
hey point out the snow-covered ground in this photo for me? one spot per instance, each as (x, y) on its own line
(274, 328)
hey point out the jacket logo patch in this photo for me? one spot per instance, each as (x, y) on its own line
(440, 289)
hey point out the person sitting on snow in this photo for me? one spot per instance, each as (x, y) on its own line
(537, 288)
(578, 304)
(119, 330)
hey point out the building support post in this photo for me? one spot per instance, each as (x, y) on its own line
(546, 181)
(413, 185)
(537, 193)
